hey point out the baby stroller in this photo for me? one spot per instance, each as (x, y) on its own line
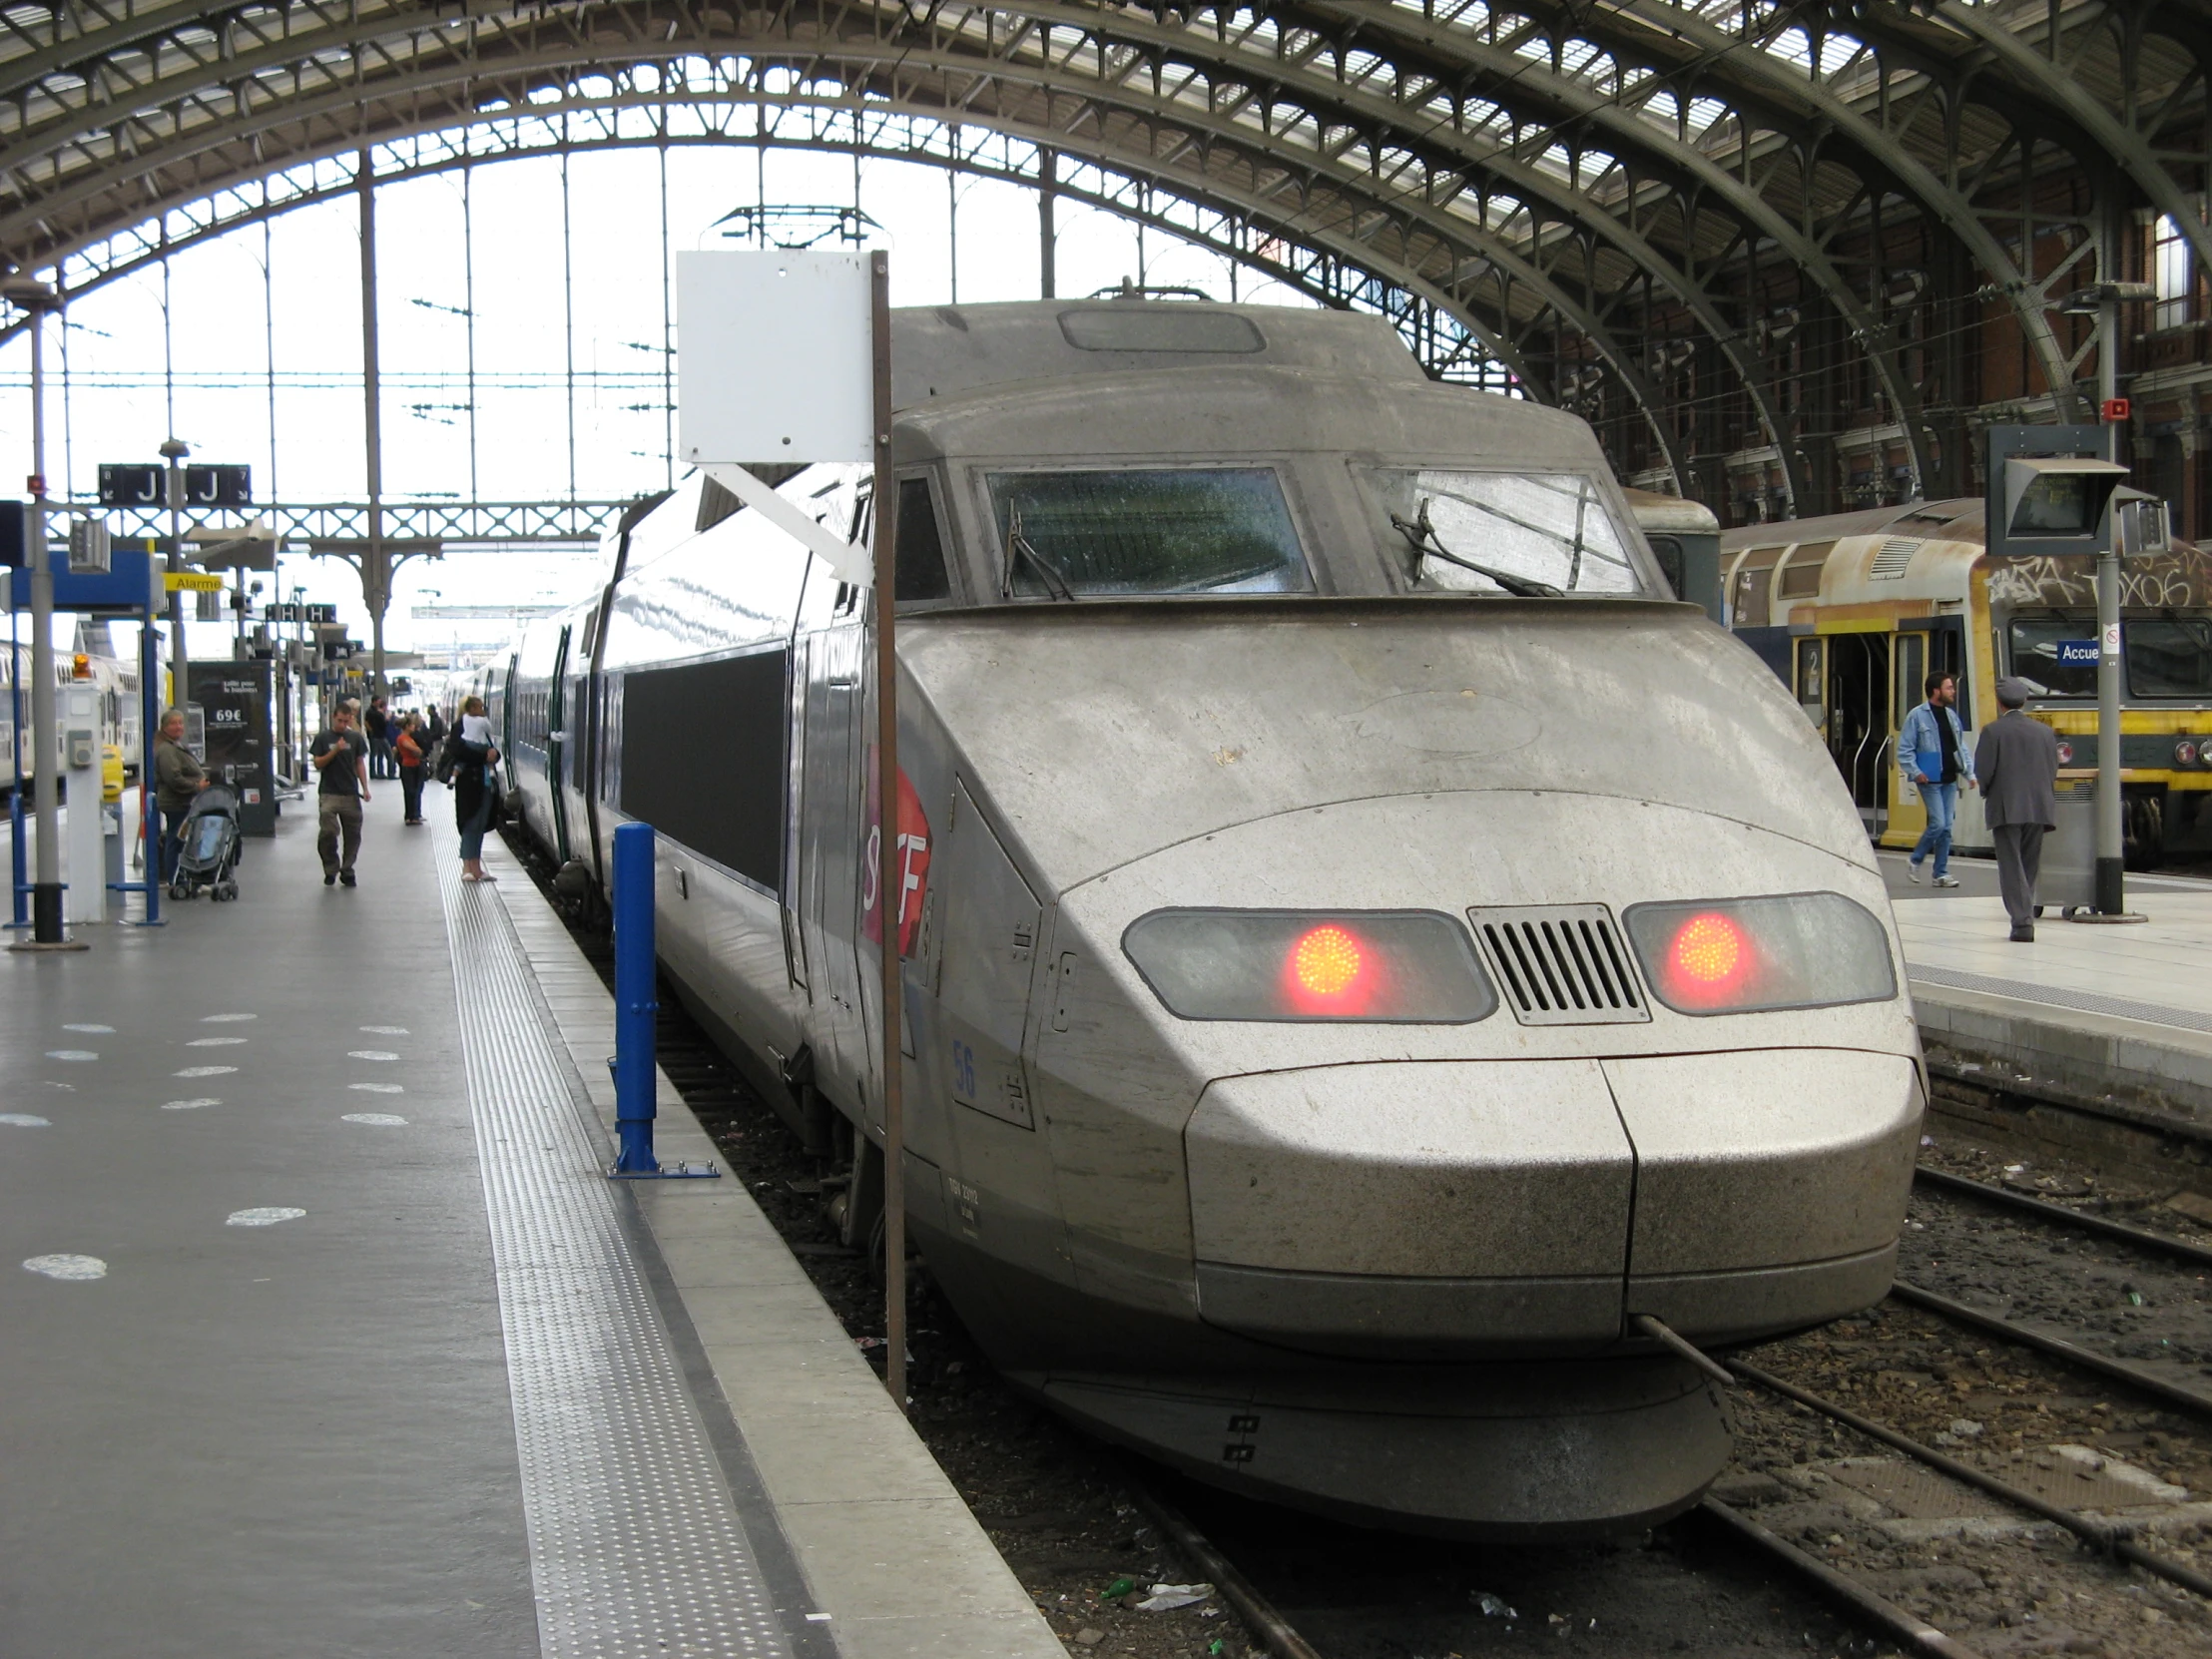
(211, 845)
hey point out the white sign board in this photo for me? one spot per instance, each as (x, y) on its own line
(775, 358)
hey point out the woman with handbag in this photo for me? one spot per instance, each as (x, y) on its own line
(475, 785)
(408, 751)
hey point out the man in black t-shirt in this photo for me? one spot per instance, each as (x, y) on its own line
(377, 726)
(342, 757)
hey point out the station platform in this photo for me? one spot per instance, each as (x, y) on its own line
(328, 1335)
(2095, 1008)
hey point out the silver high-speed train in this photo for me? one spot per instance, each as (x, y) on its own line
(1364, 943)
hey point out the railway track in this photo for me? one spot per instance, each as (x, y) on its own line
(1722, 1579)
(2127, 1305)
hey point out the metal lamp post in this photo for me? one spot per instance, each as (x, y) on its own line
(174, 451)
(46, 890)
(2103, 300)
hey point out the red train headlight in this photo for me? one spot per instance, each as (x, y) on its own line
(1736, 955)
(2186, 753)
(1708, 954)
(2066, 753)
(1327, 963)
(1387, 966)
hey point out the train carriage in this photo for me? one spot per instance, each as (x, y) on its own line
(115, 678)
(1854, 611)
(1365, 943)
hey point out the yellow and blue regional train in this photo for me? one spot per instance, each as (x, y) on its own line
(1853, 611)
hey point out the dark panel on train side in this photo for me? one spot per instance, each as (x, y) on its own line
(702, 759)
(1772, 647)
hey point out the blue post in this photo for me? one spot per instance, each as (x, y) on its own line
(634, 1003)
(18, 873)
(150, 712)
(633, 1061)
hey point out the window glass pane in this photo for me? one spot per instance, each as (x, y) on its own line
(2170, 264)
(1910, 647)
(1212, 530)
(1551, 528)
(2036, 655)
(921, 553)
(2168, 657)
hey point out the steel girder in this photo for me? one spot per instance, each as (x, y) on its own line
(829, 128)
(2055, 75)
(1552, 178)
(1080, 96)
(1822, 106)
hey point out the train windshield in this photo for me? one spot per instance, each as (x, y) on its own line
(1156, 531)
(2169, 657)
(1536, 534)
(2164, 656)
(2056, 655)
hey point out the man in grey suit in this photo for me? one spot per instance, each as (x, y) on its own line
(2016, 763)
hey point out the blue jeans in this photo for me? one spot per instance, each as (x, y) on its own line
(173, 841)
(472, 832)
(1942, 802)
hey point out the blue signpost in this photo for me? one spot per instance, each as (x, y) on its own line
(124, 590)
(635, 1008)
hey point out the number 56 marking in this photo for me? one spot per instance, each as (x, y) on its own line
(964, 1071)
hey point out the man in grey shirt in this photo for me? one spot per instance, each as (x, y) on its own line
(340, 755)
(2016, 763)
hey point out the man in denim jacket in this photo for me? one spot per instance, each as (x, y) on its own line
(1933, 730)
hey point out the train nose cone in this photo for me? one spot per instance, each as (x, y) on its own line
(1506, 1207)
(1770, 1184)
(1462, 1207)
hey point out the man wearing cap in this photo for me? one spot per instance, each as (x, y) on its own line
(2017, 764)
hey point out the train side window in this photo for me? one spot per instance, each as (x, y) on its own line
(1909, 671)
(922, 572)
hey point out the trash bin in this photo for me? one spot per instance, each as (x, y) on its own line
(2068, 878)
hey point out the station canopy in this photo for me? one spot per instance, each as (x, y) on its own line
(1609, 197)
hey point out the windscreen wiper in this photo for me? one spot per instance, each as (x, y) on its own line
(1020, 546)
(1424, 539)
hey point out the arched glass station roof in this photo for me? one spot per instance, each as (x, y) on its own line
(1719, 230)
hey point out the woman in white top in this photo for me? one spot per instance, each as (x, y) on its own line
(475, 787)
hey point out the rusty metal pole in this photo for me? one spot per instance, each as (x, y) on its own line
(891, 893)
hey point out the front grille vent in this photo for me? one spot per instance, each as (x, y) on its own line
(1560, 965)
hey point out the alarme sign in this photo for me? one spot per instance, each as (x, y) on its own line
(914, 862)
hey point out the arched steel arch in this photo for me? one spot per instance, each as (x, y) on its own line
(1222, 229)
(1561, 177)
(1474, 275)
(1233, 206)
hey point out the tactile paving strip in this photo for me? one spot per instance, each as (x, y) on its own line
(2087, 1002)
(636, 1550)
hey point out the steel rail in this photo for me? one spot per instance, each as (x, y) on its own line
(1259, 1615)
(2142, 1238)
(2071, 1100)
(2058, 1347)
(2111, 1537)
(1914, 1633)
